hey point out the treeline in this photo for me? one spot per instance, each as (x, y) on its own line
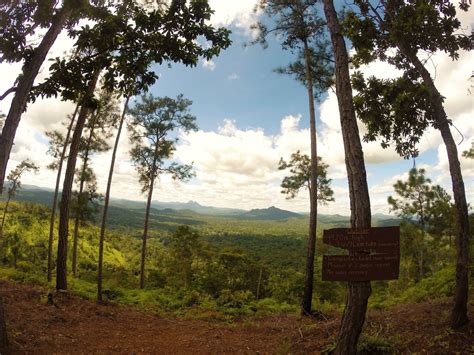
(233, 274)
(115, 47)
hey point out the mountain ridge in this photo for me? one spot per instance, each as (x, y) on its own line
(37, 194)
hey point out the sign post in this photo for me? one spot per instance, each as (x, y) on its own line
(374, 254)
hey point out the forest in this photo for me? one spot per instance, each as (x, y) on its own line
(83, 269)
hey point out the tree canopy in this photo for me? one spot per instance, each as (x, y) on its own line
(299, 166)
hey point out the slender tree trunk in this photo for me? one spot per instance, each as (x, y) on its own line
(422, 243)
(5, 211)
(187, 276)
(76, 232)
(422, 251)
(61, 269)
(313, 214)
(145, 232)
(25, 83)
(358, 292)
(106, 203)
(259, 283)
(459, 316)
(147, 217)
(420, 264)
(3, 329)
(56, 192)
(80, 207)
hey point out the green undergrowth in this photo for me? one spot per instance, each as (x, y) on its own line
(230, 305)
(181, 303)
(369, 344)
(439, 285)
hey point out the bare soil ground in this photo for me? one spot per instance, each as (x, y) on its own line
(77, 326)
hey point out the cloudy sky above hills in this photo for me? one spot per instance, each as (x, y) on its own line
(249, 117)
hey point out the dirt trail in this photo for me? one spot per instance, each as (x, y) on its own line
(79, 326)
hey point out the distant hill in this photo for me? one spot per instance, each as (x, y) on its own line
(334, 219)
(131, 213)
(271, 213)
(196, 207)
(378, 220)
(34, 194)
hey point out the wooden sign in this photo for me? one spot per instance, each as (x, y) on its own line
(360, 267)
(373, 240)
(375, 254)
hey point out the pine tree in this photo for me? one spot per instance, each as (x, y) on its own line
(152, 123)
(419, 202)
(302, 30)
(300, 169)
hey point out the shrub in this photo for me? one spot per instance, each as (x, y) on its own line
(25, 266)
(374, 345)
(112, 294)
(229, 299)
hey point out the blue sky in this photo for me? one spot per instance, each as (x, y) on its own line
(248, 117)
(241, 86)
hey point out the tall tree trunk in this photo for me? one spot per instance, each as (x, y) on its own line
(145, 233)
(5, 211)
(422, 244)
(313, 214)
(25, 83)
(56, 192)
(80, 208)
(61, 269)
(422, 251)
(259, 283)
(358, 292)
(3, 329)
(106, 204)
(147, 217)
(459, 316)
(420, 264)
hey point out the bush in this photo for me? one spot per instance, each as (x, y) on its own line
(112, 294)
(238, 299)
(23, 277)
(25, 266)
(269, 306)
(374, 345)
(367, 345)
(438, 285)
(192, 298)
(155, 279)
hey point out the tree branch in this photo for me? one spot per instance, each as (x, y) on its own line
(8, 92)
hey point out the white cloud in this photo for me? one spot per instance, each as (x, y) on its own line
(238, 13)
(208, 64)
(233, 77)
(290, 124)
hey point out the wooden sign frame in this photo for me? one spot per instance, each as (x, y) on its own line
(374, 254)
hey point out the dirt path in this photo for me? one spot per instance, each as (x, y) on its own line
(80, 326)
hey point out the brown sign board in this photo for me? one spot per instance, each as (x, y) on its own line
(383, 240)
(360, 267)
(374, 254)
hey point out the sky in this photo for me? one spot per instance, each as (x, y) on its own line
(249, 117)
